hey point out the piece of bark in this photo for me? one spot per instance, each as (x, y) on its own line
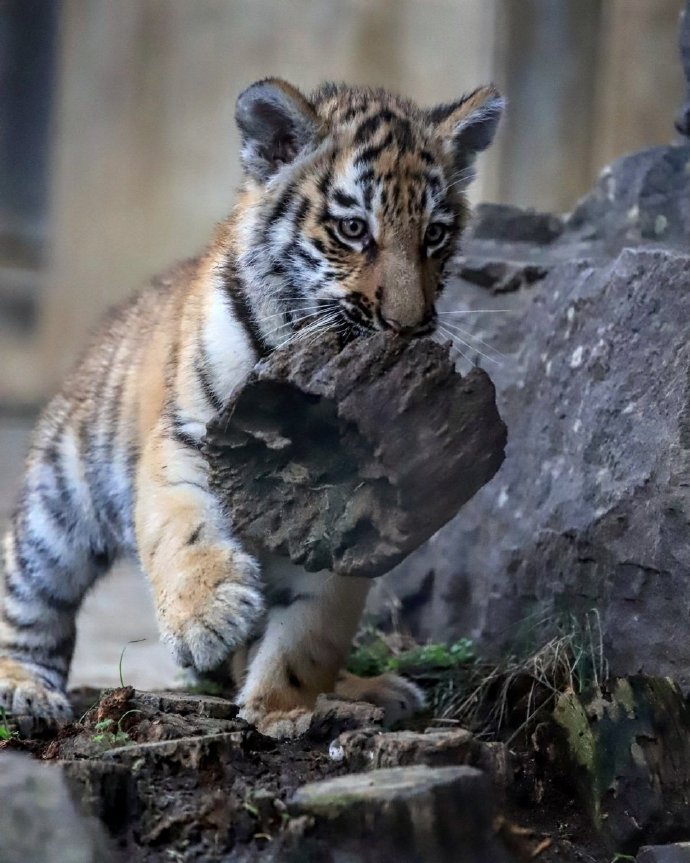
(347, 459)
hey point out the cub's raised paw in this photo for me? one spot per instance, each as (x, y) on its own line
(397, 697)
(285, 724)
(24, 695)
(208, 616)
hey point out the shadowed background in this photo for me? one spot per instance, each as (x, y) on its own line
(118, 153)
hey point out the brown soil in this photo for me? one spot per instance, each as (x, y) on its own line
(179, 777)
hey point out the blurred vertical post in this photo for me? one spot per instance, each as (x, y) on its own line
(587, 81)
(640, 77)
(546, 61)
(683, 117)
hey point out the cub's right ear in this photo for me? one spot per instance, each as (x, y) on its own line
(277, 123)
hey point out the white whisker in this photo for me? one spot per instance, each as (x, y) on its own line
(311, 308)
(475, 338)
(449, 335)
(321, 322)
(292, 322)
(316, 333)
(475, 312)
(474, 348)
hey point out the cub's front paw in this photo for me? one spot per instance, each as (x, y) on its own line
(281, 724)
(23, 694)
(399, 698)
(212, 608)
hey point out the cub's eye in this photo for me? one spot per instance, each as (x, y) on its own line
(352, 228)
(435, 233)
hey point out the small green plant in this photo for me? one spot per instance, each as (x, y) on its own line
(122, 656)
(376, 657)
(106, 735)
(437, 656)
(370, 659)
(251, 808)
(6, 733)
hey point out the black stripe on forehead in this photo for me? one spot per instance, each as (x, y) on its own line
(343, 199)
(302, 212)
(370, 126)
(433, 183)
(368, 154)
(324, 184)
(404, 136)
(365, 176)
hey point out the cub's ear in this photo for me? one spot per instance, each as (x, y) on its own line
(276, 123)
(467, 127)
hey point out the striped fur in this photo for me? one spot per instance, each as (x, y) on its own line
(351, 204)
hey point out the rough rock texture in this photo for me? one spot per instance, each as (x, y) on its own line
(39, 821)
(676, 853)
(591, 509)
(405, 813)
(329, 455)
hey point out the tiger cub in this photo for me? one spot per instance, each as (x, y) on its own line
(350, 206)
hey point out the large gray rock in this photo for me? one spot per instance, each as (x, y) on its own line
(591, 509)
(39, 821)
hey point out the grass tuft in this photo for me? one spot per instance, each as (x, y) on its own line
(494, 699)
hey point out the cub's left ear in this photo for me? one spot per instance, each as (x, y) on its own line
(467, 127)
(277, 123)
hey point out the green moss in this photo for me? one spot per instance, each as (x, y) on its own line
(203, 686)
(376, 657)
(368, 660)
(434, 656)
(570, 715)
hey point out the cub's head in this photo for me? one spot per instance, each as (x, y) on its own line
(352, 202)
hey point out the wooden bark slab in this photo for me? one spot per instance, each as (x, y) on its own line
(347, 459)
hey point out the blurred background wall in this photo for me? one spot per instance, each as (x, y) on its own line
(118, 149)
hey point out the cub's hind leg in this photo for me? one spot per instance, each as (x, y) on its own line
(49, 565)
(207, 590)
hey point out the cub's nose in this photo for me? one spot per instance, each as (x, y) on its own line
(407, 331)
(397, 327)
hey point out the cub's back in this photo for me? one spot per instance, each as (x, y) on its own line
(87, 442)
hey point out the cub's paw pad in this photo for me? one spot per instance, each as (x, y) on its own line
(203, 635)
(397, 697)
(285, 724)
(24, 696)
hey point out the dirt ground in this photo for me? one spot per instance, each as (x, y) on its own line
(180, 777)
